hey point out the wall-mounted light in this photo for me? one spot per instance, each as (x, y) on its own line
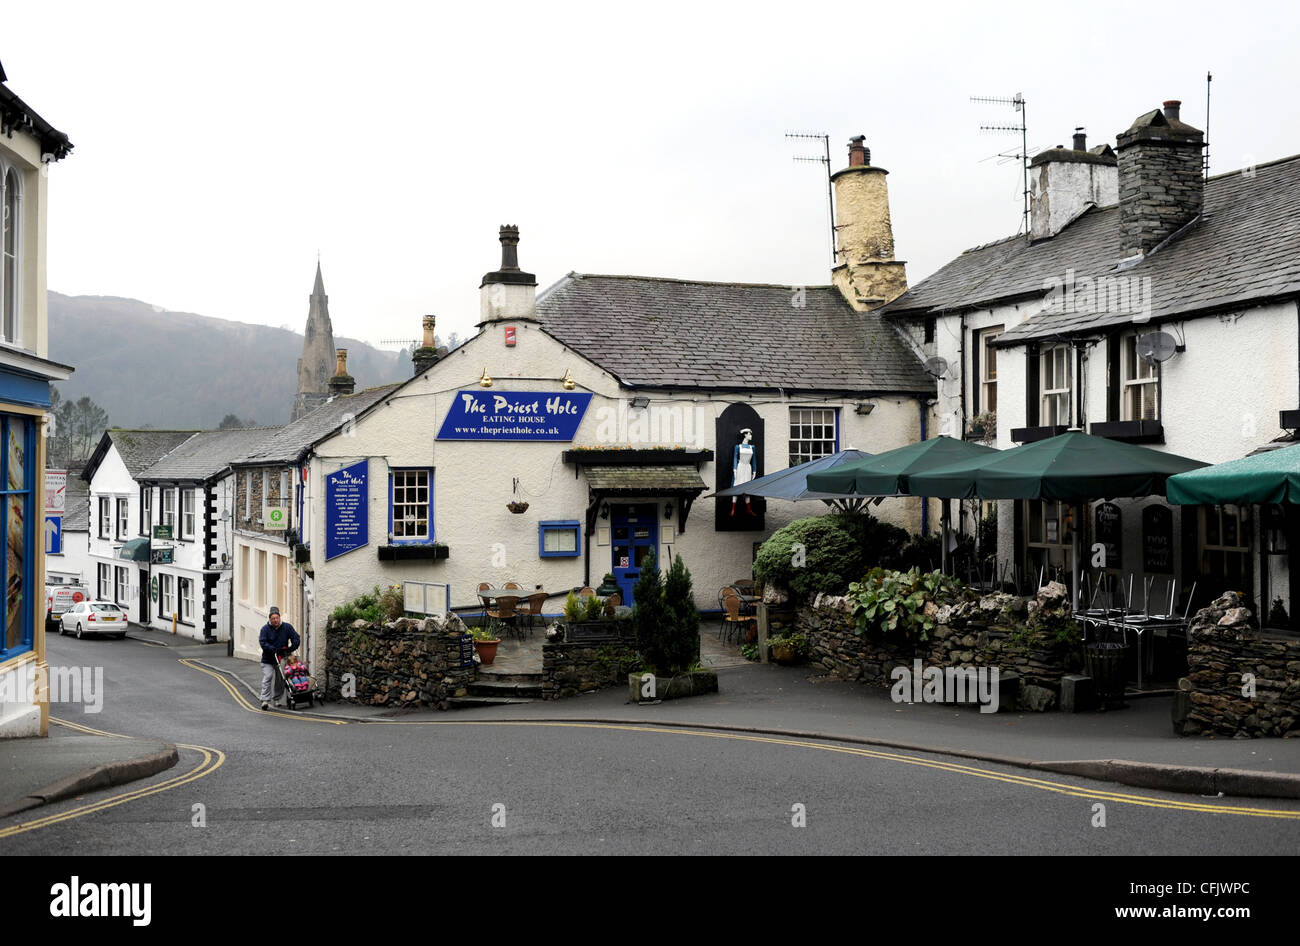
(668, 509)
(864, 409)
(567, 381)
(486, 380)
(604, 510)
(640, 403)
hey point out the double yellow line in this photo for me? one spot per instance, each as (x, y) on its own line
(211, 761)
(244, 703)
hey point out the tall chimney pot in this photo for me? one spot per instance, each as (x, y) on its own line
(429, 341)
(1171, 109)
(859, 153)
(342, 383)
(1080, 140)
(509, 248)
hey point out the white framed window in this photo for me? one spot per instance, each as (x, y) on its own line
(168, 497)
(123, 585)
(187, 513)
(104, 582)
(1054, 383)
(988, 379)
(166, 595)
(813, 433)
(1224, 542)
(105, 517)
(123, 518)
(1049, 534)
(1139, 384)
(248, 494)
(185, 589)
(411, 505)
(260, 578)
(146, 507)
(10, 253)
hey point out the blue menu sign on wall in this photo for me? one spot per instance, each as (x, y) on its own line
(514, 415)
(347, 510)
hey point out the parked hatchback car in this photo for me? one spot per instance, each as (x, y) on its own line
(93, 617)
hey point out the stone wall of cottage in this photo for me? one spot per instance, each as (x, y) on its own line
(1223, 646)
(399, 663)
(585, 666)
(989, 632)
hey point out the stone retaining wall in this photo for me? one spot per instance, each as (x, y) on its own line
(1223, 645)
(398, 663)
(585, 666)
(983, 633)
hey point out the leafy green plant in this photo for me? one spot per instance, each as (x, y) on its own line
(591, 610)
(391, 601)
(822, 553)
(683, 616)
(364, 607)
(573, 608)
(749, 651)
(486, 634)
(798, 641)
(893, 602)
(649, 614)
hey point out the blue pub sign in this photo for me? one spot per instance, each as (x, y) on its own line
(347, 509)
(514, 415)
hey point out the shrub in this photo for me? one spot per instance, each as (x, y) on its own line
(893, 602)
(573, 608)
(591, 610)
(365, 607)
(683, 617)
(824, 553)
(650, 616)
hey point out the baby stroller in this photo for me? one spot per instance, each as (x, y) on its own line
(298, 685)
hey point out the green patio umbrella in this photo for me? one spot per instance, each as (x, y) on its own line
(886, 474)
(1272, 477)
(1074, 467)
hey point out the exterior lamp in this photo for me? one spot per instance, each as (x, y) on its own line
(864, 409)
(640, 403)
(567, 381)
(486, 380)
(668, 509)
(604, 510)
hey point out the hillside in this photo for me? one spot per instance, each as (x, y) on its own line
(139, 363)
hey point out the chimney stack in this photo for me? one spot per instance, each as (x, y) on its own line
(865, 273)
(342, 383)
(1161, 178)
(427, 355)
(509, 294)
(1064, 182)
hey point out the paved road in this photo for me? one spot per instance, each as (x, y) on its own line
(274, 783)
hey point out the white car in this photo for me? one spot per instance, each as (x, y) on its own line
(93, 617)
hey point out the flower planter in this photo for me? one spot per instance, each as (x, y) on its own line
(487, 650)
(783, 652)
(617, 629)
(691, 683)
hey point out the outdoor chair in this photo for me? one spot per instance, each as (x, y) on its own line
(745, 586)
(485, 602)
(733, 619)
(533, 606)
(504, 612)
(586, 592)
(512, 586)
(612, 602)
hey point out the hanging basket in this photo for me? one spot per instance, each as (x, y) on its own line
(517, 507)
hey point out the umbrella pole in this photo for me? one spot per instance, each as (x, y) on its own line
(943, 552)
(1075, 546)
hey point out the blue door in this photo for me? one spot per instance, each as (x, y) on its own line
(634, 534)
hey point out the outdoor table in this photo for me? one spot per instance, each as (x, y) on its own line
(1136, 621)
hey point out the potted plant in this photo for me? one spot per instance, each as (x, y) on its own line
(983, 426)
(608, 586)
(486, 640)
(787, 650)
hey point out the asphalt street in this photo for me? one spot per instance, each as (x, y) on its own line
(273, 783)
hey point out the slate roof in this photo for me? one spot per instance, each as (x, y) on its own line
(76, 505)
(290, 442)
(1246, 249)
(205, 454)
(653, 332)
(644, 479)
(139, 449)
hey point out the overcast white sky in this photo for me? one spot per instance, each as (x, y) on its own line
(218, 148)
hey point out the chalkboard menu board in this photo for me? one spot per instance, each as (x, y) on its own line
(466, 650)
(1158, 540)
(1110, 533)
(347, 510)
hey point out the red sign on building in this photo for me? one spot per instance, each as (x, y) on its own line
(510, 336)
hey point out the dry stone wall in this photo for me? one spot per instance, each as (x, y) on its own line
(397, 664)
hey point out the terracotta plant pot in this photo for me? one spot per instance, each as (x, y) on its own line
(783, 652)
(487, 650)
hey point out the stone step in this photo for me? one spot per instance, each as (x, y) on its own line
(465, 702)
(488, 675)
(530, 689)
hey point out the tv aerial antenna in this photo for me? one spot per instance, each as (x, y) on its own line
(1017, 102)
(823, 160)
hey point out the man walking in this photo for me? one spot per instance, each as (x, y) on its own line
(276, 636)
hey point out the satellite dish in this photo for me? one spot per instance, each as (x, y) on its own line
(936, 367)
(1156, 346)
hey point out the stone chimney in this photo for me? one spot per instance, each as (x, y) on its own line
(509, 294)
(865, 272)
(1161, 179)
(1064, 182)
(342, 382)
(427, 355)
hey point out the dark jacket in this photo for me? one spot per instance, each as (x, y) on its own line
(273, 639)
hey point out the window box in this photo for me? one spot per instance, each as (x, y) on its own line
(302, 554)
(410, 553)
(1034, 434)
(1130, 431)
(1289, 420)
(559, 539)
(636, 456)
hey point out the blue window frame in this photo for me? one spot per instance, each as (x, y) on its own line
(559, 538)
(18, 548)
(410, 506)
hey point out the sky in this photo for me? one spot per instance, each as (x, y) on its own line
(220, 147)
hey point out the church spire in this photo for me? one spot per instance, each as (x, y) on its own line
(316, 366)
